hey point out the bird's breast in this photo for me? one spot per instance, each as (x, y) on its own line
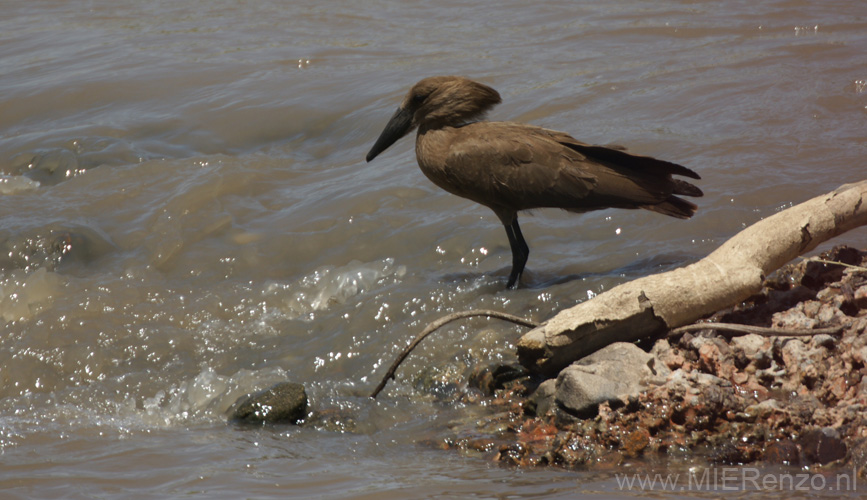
(432, 150)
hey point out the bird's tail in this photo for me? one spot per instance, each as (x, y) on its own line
(674, 206)
(678, 207)
(686, 189)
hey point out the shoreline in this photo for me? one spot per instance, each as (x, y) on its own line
(724, 400)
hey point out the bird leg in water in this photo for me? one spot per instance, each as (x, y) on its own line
(520, 252)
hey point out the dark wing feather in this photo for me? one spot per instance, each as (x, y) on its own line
(510, 167)
(646, 163)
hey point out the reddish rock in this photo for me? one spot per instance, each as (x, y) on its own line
(481, 444)
(635, 442)
(670, 357)
(784, 452)
(609, 460)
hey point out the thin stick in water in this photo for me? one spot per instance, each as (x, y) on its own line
(439, 323)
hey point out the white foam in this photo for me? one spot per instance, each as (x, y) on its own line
(11, 184)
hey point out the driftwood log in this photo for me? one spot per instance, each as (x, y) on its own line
(730, 274)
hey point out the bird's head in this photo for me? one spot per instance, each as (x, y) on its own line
(436, 101)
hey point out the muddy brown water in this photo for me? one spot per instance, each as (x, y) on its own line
(187, 217)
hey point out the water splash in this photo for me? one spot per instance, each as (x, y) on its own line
(23, 294)
(11, 184)
(329, 285)
(205, 397)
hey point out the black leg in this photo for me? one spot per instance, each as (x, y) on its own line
(520, 253)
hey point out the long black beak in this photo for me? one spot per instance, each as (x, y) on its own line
(398, 126)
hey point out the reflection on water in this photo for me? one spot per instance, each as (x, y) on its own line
(187, 217)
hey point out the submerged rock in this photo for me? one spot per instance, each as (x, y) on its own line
(283, 403)
(47, 247)
(491, 378)
(822, 446)
(783, 452)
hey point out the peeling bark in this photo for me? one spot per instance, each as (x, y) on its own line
(730, 274)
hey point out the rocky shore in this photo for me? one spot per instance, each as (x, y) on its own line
(727, 398)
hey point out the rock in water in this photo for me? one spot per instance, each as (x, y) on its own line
(283, 403)
(612, 374)
(821, 446)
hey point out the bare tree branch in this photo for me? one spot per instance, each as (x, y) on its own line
(730, 274)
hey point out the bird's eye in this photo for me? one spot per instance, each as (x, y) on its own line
(418, 98)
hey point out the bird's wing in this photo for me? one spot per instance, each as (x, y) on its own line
(617, 155)
(515, 165)
(522, 167)
(623, 176)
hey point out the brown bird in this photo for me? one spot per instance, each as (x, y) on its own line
(509, 166)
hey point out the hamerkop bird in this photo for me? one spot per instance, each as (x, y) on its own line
(509, 167)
